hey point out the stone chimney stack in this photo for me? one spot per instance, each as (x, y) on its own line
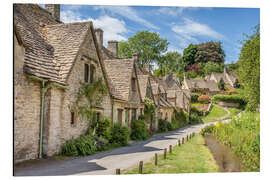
(113, 47)
(99, 36)
(54, 9)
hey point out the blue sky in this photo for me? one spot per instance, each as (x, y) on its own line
(179, 25)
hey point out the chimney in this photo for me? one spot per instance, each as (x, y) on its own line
(54, 9)
(148, 67)
(113, 47)
(99, 36)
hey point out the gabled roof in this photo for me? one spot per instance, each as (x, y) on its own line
(66, 40)
(143, 82)
(39, 55)
(202, 84)
(119, 73)
(164, 103)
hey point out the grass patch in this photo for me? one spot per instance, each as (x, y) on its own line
(234, 112)
(192, 157)
(215, 113)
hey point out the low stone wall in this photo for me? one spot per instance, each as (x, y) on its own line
(228, 104)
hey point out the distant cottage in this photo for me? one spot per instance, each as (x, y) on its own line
(52, 59)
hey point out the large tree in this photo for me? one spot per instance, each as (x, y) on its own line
(189, 54)
(148, 45)
(210, 67)
(249, 69)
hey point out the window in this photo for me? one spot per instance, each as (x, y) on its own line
(92, 72)
(72, 121)
(86, 72)
(98, 116)
(133, 84)
(141, 111)
(134, 114)
(120, 111)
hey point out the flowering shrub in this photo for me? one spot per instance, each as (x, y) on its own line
(194, 67)
(139, 130)
(150, 132)
(204, 99)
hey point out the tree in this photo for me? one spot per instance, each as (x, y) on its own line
(210, 51)
(249, 69)
(189, 54)
(170, 61)
(221, 84)
(213, 67)
(148, 45)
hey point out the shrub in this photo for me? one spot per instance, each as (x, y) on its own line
(162, 125)
(104, 128)
(120, 134)
(208, 130)
(228, 98)
(169, 126)
(139, 130)
(82, 146)
(194, 97)
(194, 118)
(196, 111)
(204, 99)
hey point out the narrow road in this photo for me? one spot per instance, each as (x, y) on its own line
(108, 162)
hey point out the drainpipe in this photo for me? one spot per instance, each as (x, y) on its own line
(44, 88)
(112, 109)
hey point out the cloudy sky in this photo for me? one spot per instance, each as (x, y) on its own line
(179, 25)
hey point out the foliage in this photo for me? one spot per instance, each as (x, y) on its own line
(120, 134)
(179, 119)
(215, 114)
(82, 146)
(221, 84)
(162, 125)
(228, 98)
(169, 126)
(170, 62)
(149, 111)
(204, 99)
(104, 128)
(193, 68)
(194, 97)
(189, 54)
(233, 67)
(139, 130)
(148, 45)
(236, 84)
(194, 118)
(191, 74)
(213, 67)
(208, 130)
(93, 93)
(196, 111)
(210, 51)
(242, 134)
(249, 69)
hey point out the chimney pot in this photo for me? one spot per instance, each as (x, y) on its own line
(113, 47)
(99, 36)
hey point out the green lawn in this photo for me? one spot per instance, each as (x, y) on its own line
(234, 112)
(215, 113)
(192, 157)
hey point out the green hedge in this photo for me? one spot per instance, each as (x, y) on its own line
(139, 130)
(228, 98)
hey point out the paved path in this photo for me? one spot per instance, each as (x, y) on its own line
(108, 162)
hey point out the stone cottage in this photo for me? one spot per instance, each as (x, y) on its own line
(51, 60)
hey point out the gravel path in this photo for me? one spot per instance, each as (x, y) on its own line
(108, 162)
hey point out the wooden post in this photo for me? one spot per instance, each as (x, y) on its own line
(117, 171)
(140, 167)
(156, 159)
(187, 137)
(190, 136)
(170, 148)
(165, 152)
(183, 140)
(179, 142)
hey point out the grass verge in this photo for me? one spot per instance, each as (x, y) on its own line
(234, 112)
(191, 157)
(215, 113)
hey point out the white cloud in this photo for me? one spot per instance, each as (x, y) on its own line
(190, 30)
(114, 29)
(175, 11)
(129, 13)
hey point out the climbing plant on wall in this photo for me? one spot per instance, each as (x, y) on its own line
(149, 110)
(89, 96)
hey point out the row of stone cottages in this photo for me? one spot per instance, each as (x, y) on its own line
(52, 58)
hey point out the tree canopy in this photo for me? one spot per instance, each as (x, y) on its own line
(249, 69)
(148, 45)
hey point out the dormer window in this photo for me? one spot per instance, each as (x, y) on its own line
(92, 73)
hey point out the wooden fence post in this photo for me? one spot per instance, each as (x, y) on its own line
(170, 147)
(156, 159)
(165, 152)
(183, 140)
(187, 137)
(117, 171)
(179, 142)
(140, 167)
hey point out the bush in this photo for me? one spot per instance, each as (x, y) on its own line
(139, 130)
(120, 134)
(204, 99)
(162, 125)
(194, 97)
(84, 145)
(196, 111)
(104, 128)
(228, 98)
(208, 130)
(169, 126)
(194, 118)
